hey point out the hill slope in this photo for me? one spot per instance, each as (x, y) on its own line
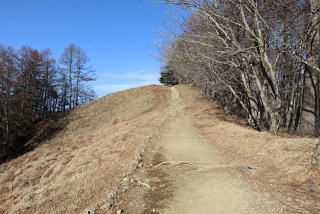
(78, 166)
(194, 161)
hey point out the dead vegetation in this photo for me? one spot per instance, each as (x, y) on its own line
(287, 161)
(315, 156)
(79, 164)
(290, 154)
(258, 59)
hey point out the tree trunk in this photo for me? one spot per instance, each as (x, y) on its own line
(77, 86)
(275, 121)
(70, 81)
(309, 116)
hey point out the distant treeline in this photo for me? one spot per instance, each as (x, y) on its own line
(259, 59)
(33, 86)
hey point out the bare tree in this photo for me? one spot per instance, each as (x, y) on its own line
(310, 118)
(83, 72)
(255, 50)
(32, 88)
(74, 61)
(8, 75)
(68, 60)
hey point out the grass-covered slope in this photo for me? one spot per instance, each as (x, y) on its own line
(87, 151)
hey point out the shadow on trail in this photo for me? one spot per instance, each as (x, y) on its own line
(158, 200)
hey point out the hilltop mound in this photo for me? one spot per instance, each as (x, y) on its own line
(90, 149)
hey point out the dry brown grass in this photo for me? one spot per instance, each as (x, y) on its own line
(78, 166)
(280, 167)
(284, 160)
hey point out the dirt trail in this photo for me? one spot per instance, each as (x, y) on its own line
(203, 182)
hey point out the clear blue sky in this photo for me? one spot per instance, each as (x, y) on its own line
(118, 35)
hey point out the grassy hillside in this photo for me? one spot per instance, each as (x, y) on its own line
(88, 150)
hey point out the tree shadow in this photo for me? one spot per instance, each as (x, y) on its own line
(36, 135)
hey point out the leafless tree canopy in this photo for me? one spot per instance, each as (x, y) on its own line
(33, 87)
(258, 58)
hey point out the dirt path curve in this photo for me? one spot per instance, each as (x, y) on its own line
(203, 182)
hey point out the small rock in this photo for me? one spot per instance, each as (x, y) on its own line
(125, 179)
(106, 206)
(113, 194)
(126, 188)
(251, 167)
(18, 172)
(119, 211)
(139, 158)
(132, 167)
(133, 180)
(89, 211)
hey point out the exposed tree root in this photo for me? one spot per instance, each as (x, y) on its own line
(230, 166)
(201, 168)
(144, 184)
(175, 163)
